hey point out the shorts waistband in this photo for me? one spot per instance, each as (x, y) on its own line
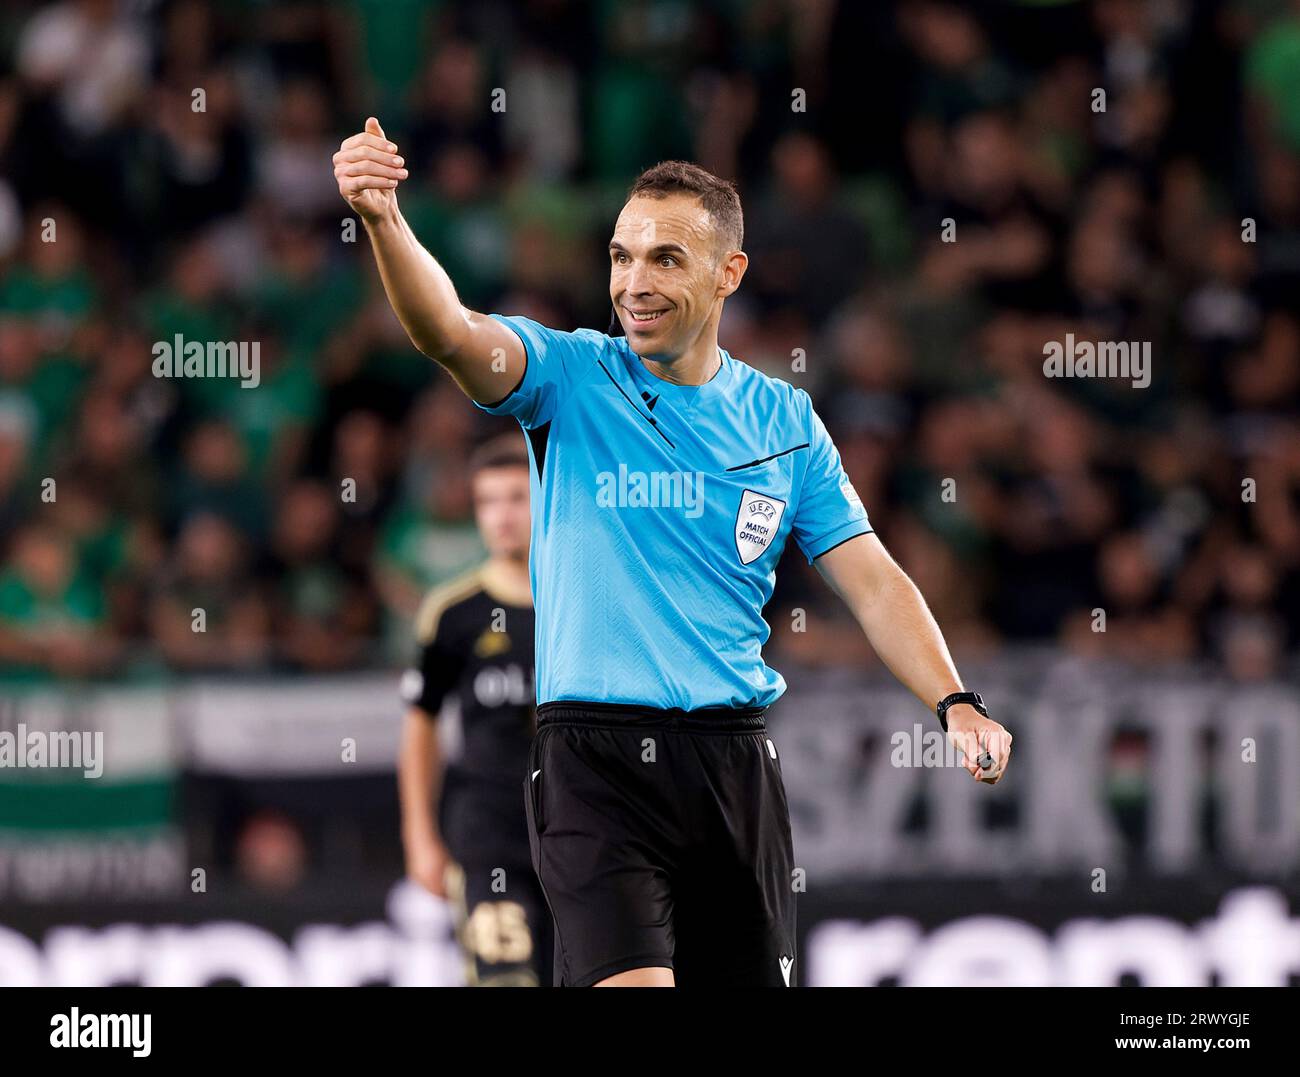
(631, 715)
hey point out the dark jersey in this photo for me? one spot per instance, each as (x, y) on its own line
(476, 647)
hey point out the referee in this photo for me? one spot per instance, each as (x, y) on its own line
(666, 478)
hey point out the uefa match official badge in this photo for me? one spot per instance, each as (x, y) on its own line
(757, 522)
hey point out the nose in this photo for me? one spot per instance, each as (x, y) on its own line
(638, 279)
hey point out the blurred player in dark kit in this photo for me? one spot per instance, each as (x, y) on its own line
(463, 822)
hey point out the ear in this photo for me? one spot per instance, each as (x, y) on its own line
(733, 269)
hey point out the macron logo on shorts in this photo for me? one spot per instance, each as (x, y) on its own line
(787, 963)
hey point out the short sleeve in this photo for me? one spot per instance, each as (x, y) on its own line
(829, 511)
(438, 667)
(555, 362)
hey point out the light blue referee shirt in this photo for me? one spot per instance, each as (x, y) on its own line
(659, 512)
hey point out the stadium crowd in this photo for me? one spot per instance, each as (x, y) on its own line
(934, 192)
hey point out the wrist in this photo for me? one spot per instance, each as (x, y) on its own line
(419, 834)
(959, 703)
(387, 219)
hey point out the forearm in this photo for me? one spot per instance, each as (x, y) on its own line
(903, 632)
(898, 624)
(419, 778)
(418, 288)
(486, 359)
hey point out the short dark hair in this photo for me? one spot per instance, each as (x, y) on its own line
(505, 450)
(716, 195)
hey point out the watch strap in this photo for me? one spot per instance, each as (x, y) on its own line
(973, 698)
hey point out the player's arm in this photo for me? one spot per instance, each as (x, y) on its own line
(486, 358)
(899, 625)
(420, 764)
(419, 782)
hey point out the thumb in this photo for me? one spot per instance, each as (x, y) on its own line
(373, 128)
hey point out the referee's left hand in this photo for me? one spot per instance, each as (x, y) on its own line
(972, 734)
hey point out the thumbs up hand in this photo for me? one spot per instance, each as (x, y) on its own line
(368, 169)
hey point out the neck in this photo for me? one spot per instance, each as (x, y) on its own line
(698, 364)
(507, 578)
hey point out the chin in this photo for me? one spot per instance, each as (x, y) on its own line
(647, 347)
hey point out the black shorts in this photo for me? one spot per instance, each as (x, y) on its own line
(662, 838)
(502, 924)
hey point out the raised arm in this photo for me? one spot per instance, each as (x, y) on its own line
(486, 359)
(899, 625)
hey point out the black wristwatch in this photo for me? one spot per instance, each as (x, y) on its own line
(973, 698)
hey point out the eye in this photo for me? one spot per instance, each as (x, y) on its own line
(619, 257)
(667, 261)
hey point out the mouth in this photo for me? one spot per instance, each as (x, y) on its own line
(645, 319)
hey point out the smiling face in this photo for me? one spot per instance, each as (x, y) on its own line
(668, 273)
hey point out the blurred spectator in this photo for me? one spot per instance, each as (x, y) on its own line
(271, 852)
(90, 55)
(207, 613)
(51, 611)
(808, 253)
(325, 615)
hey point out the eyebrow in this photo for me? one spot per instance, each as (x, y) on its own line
(662, 248)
